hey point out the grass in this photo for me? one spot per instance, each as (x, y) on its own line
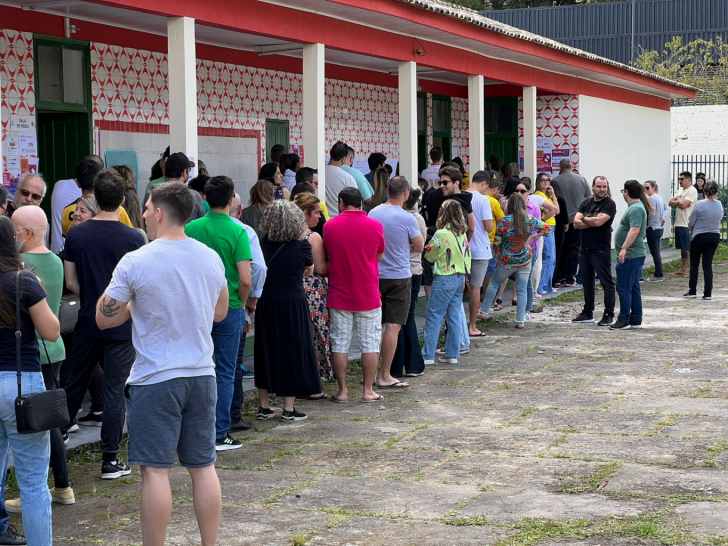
(594, 481)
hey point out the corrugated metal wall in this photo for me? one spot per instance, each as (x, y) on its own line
(605, 29)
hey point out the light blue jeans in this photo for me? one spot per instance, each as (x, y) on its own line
(446, 301)
(464, 331)
(501, 274)
(31, 457)
(549, 263)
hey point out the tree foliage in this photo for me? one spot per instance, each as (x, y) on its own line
(702, 64)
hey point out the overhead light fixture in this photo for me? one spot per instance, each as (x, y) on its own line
(39, 4)
(275, 49)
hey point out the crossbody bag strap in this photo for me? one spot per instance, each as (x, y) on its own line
(18, 334)
(55, 379)
(275, 254)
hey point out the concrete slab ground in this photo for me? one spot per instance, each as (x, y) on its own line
(558, 434)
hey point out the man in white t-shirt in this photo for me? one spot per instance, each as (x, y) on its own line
(683, 202)
(479, 244)
(432, 173)
(336, 178)
(173, 288)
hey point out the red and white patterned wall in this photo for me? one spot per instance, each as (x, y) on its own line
(557, 117)
(16, 75)
(460, 128)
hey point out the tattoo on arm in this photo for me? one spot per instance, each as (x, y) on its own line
(109, 307)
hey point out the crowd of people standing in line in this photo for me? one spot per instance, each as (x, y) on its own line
(169, 285)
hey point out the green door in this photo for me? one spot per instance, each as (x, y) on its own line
(501, 128)
(277, 131)
(442, 125)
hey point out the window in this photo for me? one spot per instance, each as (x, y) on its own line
(62, 73)
(441, 115)
(421, 117)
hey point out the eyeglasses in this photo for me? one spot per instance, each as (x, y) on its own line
(624, 191)
(522, 191)
(444, 182)
(28, 193)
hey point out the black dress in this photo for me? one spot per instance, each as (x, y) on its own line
(285, 356)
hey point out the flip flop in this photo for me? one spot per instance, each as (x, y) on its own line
(378, 399)
(334, 399)
(497, 307)
(323, 396)
(479, 334)
(395, 385)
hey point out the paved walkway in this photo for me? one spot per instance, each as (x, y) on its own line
(556, 434)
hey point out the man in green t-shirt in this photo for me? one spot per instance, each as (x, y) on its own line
(629, 241)
(230, 241)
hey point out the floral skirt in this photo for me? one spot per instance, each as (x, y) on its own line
(317, 291)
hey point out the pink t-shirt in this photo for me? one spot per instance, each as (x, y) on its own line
(352, 242)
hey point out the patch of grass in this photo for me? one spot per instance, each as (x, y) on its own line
(275, 497)
(394, 439)
(300, 539)
(568, 297)
(713, 451)
(337, 521)
(595, 481)
(525, 413)
(528, 351)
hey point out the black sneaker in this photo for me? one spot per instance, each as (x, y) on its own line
(241, 425)
(224, 444)
(293, 415)
(583, 317)
(247, 374)
(619, 325)
(265, 413)
(91, 419)
(690, 295)
(607, 320)
(111, 470)
(65, 437)
(11, 536)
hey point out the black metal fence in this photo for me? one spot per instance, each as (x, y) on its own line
(715, 167)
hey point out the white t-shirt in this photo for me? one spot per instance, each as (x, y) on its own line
(400, 227)
(432, 174)
(480, 243)
(173, 287)
(536, 200)
(64, 193)
(336, 180)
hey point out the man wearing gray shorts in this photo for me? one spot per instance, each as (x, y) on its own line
(173, 289)
(479, 245)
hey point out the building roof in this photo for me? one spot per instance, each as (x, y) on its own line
(474, 18)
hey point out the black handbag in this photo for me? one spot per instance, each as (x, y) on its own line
(40, 411)
(68, 313)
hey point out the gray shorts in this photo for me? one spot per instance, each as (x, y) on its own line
(478, 269)
(172, 417)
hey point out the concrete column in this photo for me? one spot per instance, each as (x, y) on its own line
(182, 70)
(529, 132)
(476, 123)
(408, 121)
(314, 133)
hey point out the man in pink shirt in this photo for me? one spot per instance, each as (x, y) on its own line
(354, 244)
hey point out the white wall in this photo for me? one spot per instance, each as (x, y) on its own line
(624, 142)
(699, 130)
(233, 157)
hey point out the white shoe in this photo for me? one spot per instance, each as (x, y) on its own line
(429, 362)
(448, 360)
(440, 351)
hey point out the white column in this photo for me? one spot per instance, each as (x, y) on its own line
(408, 121)
(182, 68)
(476, 123)
(529, 132)
(314, 135)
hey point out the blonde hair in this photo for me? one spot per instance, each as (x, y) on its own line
(306, 201)
(89, 202)
(517, 208)
(451, 213)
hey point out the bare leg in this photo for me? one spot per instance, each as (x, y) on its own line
(156, 506)
(288, 402)
(264, 399)
(389, 346)
(474, 305)
(369, 366)
(207, 501)
(341, 364)
(684, 256)
(427, 292)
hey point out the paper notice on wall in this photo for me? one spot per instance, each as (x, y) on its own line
(556, 156)
(361, 164)
(28, 144)
(544, 148)
(455, 150)
(33, 165)
(22, 123)
(193, 170)
(392, 163)
(12, 153)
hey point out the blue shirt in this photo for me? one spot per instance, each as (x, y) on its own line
(365, 188)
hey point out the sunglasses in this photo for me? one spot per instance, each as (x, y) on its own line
(682, 178)
(522, 191)
(28, 193)
(444, 182)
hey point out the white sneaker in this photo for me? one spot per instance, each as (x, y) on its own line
(429, 362)
(440, 351)
(448, 360)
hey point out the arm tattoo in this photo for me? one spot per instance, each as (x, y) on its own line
(109, 307)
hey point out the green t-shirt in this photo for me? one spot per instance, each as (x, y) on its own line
(49, 270)
(205, 206)
(149, 189)
(449, 253)
(634, 216)
(231, 243)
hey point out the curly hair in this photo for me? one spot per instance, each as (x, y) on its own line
(283, 222)
(451, 214)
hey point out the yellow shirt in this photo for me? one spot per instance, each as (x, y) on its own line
(325, 211)
(497, 215)
(551, 221)
(67, 218)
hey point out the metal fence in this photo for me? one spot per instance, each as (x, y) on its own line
(715, 167)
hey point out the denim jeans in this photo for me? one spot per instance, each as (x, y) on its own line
(501, 274)
(226, 340)
(31, 455)
(549, 263)
(408, 356)
(529, 284)
(464, 331)
(628, 289)
(237, 403)
(597, 262)
(653, 242)
(446, 300)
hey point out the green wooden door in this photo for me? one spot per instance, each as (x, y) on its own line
(501, 128)
(442, 125)
(277, 131)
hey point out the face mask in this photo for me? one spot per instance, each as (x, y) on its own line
(20, 245)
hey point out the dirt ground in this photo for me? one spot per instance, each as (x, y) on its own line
(557, 434)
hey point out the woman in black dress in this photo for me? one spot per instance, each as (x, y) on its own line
(285, 357)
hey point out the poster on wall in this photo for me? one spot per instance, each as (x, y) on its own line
(521, 161)
(544, 148)
(556, 156)
(20, 151)
(361, 164)
(392, 163)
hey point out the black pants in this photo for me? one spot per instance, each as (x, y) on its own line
(569, 258)
(703, 245)
(116, 358)
(408, 356)
(59, 464)
(597, 262)
(653, 243)
(95, 386)
(559, 235)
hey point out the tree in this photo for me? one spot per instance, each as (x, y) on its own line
(702, 64)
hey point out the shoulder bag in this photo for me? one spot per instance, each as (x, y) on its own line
(39, 411)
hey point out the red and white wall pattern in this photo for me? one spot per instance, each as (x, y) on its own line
(557, 117)
(16, 75)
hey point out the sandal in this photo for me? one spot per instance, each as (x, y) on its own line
(496, 307)
(519, 325)
(482, 316)
(498, 301)
(514, 303)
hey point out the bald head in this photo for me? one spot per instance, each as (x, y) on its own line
(31, 224)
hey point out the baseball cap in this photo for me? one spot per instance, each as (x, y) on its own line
(180, 160)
